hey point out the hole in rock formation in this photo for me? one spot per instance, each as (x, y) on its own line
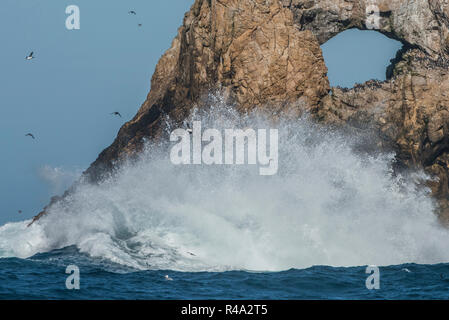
(356, 56)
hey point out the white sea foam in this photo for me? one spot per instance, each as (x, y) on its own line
(328, 205)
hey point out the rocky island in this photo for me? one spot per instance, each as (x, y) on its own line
(266, 54)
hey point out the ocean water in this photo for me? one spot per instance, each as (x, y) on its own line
(43, 277)
(224, 231)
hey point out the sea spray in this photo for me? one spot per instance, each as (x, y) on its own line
(327, 205)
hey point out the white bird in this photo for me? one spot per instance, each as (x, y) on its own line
(168, 278)
(30, 56)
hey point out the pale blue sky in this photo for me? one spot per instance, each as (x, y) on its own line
(356, 56)
(65, 96)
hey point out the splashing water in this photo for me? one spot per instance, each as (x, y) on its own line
(328, 205)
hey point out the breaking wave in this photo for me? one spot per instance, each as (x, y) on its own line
(328, 205)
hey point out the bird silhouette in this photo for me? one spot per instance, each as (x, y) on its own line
(30, 56)
(30, 135)
(139, 24)
(20, 211)
(132, 12)
(116, 114)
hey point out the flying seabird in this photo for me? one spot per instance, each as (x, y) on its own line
(139, 24)
(168, 278)
(116, 114)
(30, 135)
(20, 211)
(30, 56)
(132, 12)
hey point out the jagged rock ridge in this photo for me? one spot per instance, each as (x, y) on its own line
(266, 54)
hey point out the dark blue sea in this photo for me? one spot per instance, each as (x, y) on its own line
(43, 276)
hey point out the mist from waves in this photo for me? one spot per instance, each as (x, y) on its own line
(327, 205)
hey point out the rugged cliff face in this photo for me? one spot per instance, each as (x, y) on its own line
(266, 54)
(251, 50)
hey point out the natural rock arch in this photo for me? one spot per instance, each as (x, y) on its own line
(266, 54)
(416, 23)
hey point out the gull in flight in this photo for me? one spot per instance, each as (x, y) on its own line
(30, 135)
(116, 114)
(132, 12)
(189, 129)
(30, 56)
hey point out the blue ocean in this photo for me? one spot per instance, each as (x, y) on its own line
(43, 277)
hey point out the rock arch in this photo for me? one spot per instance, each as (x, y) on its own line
(416, 23)
(411, 110)
(266, 54)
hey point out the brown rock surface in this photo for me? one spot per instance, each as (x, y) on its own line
(266, 54)
(251, 50)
